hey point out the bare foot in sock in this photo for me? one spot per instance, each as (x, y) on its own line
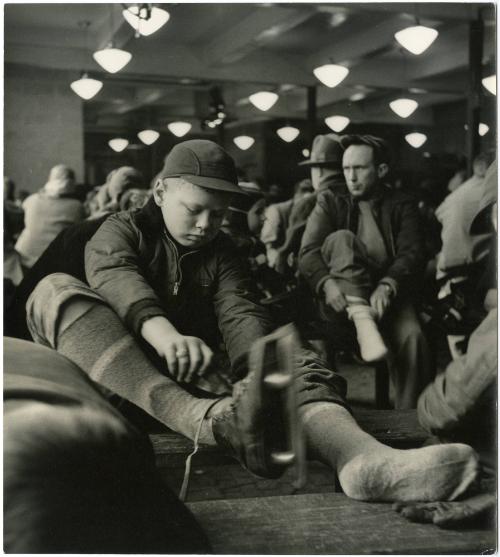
(435, 473)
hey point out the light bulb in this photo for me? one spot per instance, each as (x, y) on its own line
(490, 83)
(158, 17)
(148, 137)
(416, 139)
(331, 74)
(306, 153)
(112, 59)
(288, 133)
(263, 100)
(118, 144)
(86, 87)
(243, 142)
(337, 123)
(483, 129)
(404, 107)
(416, 39)
(179, 129)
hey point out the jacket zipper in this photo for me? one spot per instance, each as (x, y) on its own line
(178, 260)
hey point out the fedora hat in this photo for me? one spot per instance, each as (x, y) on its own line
(326, 151)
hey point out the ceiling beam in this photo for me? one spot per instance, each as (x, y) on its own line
(254, 31)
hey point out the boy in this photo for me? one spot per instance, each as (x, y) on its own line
(176, 282)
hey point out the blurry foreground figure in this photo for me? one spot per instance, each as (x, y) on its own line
(78, 478)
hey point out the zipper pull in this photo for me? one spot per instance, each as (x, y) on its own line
(176, 288)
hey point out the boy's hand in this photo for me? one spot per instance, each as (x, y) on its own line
(186, 356)
(334, 296)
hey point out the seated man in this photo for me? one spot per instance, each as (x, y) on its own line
(164, 281)
(362, 255)
(77, 477)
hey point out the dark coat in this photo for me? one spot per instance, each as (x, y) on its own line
(140, 271)
(397, 216)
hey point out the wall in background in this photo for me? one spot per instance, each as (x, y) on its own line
(43, 126)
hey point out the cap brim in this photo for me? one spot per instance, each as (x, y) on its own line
(212, 183)
(310, 162)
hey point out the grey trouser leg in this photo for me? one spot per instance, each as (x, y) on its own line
(410, 362)
(349, 264)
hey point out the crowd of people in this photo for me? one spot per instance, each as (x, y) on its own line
(157, 295)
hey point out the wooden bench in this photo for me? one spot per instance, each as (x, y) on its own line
(328, 523)
(397, 428)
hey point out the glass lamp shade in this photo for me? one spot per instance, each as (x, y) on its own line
(244, 142)
(490, 83)
(416, 139)
(337, 123)
(118, 144)
(145, 27)
(148, 137)
(263, 100)
(179, 129)
(416, 39)
(404, 107)
(112, 59)
(86, 87)
(331, 74)
(483, 129)
(288, 133)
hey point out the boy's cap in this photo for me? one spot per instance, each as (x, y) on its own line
(203, 163)
(326, 151)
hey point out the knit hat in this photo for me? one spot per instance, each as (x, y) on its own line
(203, 163)
(326, 151)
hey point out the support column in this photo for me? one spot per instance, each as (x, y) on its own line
(476, 36)
(311, 113)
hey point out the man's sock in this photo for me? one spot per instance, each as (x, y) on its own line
(371, 344)
(96, 340)
(370, 471)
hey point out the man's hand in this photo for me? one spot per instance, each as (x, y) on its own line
(380, 299)
(185, 356)
(333, 296)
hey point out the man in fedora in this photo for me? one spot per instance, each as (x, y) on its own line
(326, 172)
(362, 254)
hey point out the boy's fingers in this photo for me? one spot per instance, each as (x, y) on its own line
(182, 356)
(171, 360)
(196, 359)
(207, 358)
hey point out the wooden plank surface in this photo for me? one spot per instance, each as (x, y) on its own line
(326, 524)
(398, 428)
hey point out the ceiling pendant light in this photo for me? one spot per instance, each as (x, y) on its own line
(288, 133)
(483, 129)
(404, 107)
(306, 153)
(490, 83)
(148, 137)
(263, 100)
(243, 142)
(416, 39)
(118, 144)
(337, 123)
(112, 59)
(146, 20)
(416, 139)
(331, 74)
(86, 87)
(179, 129)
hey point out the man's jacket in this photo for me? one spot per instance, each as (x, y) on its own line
(399, 222)
(141, 272)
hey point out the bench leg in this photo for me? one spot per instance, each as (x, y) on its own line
(382, 385)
